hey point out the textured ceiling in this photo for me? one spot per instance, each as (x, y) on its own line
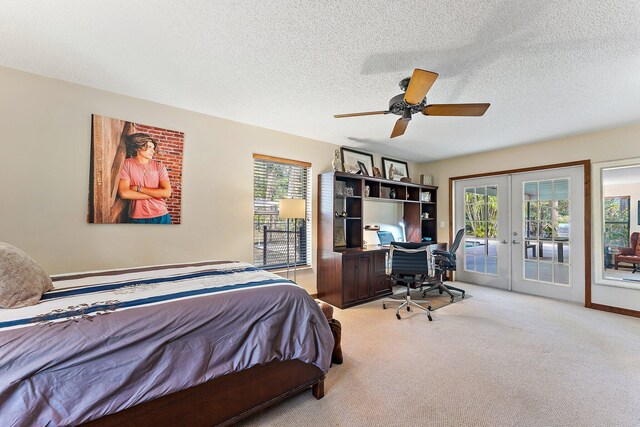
(548, 68)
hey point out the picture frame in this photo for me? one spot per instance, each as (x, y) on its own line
(376, 172)
(350, 159)
(394, 169)
(363, 168)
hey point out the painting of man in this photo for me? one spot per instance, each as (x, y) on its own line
(136, 173)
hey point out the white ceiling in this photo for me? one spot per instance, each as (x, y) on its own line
(548, 68)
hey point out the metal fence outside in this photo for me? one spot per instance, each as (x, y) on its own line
(275, 247)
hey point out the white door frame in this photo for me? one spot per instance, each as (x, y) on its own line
(586, 165)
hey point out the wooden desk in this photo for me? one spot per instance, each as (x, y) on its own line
(355, 276)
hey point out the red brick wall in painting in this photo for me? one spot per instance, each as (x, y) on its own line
(169, 152)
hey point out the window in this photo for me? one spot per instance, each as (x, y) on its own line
(616, 221)
(277, 241)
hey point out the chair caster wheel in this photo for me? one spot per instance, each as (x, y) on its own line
(463, 295)
(429, 308)
(398, 316)
(440, 292)
(408, 308)
(451, 300)
(430, 318)
(424, 294)
(384, 306)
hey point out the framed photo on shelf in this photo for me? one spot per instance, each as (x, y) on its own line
(394, 169)
(363, 168)
(351, 160)
(376, 172)
(338, 236)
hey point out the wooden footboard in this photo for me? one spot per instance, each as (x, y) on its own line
(224, 400)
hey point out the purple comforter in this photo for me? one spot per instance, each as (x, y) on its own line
(96, 345)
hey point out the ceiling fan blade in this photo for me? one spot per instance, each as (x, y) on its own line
(368, 113)
(455, 109)
(400, 127)
(420, 83)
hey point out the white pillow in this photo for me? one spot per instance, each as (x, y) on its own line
(22, 280)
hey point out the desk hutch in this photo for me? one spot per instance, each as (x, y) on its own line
(348, 273)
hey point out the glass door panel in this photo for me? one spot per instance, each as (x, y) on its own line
(546, 226)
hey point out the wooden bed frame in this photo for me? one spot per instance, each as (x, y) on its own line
(224, 400)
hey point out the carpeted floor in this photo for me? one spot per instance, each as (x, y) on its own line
(497, 359)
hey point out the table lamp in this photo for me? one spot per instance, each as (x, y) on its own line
(292, 209)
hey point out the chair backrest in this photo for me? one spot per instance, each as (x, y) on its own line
(634, 240)
(456, 242)
(410, 259)
(447, 259)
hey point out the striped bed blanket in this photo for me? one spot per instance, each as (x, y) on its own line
(101, 342)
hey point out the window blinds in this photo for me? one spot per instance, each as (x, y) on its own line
(280, 242)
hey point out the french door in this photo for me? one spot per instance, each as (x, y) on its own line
(482, 208)
(524, 232)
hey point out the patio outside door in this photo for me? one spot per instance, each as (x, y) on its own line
(524, 232)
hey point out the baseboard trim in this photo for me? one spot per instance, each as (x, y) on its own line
(616, 310)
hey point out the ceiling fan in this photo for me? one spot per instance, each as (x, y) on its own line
(414, 100)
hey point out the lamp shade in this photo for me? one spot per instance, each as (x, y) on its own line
(292, 208)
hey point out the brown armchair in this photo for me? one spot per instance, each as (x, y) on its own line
(630, 255)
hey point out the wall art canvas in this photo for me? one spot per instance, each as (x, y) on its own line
(135, 173)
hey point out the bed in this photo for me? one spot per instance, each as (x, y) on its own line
(199, 344)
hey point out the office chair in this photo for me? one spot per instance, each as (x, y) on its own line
(446, 261)
(410, 263)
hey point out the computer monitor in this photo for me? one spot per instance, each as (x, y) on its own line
(385, 238)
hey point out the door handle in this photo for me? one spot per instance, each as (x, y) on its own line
(504, 242)
(515, 242)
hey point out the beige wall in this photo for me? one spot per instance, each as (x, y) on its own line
(44, 166)
(600, 146)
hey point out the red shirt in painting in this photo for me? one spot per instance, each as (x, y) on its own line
(148, 175)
